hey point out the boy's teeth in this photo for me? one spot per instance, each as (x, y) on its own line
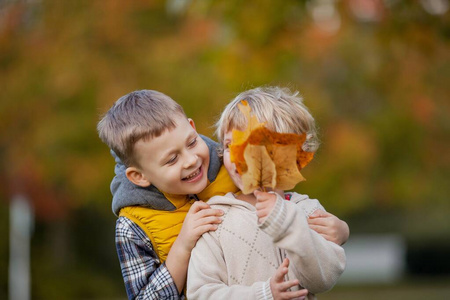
(193, 174)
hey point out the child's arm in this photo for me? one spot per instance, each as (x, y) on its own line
(142, 272)
(329, 226)
(199, 220)
(316, 262)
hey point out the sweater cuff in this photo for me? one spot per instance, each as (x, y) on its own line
(264, 292)
(273, 225)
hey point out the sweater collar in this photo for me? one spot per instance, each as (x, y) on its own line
(231, 200)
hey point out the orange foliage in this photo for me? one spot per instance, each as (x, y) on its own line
(265, 158)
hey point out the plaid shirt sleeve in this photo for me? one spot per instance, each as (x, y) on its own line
(144, 276)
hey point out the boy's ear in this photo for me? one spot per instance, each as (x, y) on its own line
(135, 176)
(192, 123)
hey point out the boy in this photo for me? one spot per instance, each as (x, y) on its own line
(262, 231)
(167, 164)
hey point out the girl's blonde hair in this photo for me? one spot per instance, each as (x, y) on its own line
(282, 111)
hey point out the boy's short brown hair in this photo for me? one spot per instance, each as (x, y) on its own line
(143, 114)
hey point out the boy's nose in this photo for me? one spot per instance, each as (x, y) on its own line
(191, 160)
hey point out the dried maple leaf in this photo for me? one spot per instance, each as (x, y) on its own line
(267, 159)
(261, 169)
(240, 137)
(287, 172)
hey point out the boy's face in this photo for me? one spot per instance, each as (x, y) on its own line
(176, 162)
(231, 167)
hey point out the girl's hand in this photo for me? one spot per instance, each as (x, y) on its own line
(329, 226)
(280, 288)
(264, 204)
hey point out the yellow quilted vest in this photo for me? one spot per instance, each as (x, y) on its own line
(162, 227)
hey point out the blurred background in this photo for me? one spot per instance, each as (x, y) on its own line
(374, 73)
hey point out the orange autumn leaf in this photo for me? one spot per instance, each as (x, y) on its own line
(267, 159)
(240, 137)
(261, 169)
(288, 174)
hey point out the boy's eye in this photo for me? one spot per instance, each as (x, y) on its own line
(172, 160)
(193, 143)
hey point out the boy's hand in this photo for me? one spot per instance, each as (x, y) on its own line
(199, 219)
(329, 226)
(264, 204)
(280, 288)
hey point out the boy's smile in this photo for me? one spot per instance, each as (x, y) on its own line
(194, 176)
(176, 162)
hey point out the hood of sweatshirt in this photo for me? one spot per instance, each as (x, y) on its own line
(125, 193)
(230, 200)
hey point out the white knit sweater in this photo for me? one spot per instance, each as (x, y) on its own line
(238, 259)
